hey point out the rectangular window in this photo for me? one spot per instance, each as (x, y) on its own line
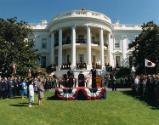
(43, 61)
(56, 60)
(68, 59)
(117, 44)
(81, 39)
(81, 58)
(94, 59)
(93, 40)
(68, 40)
(44, 44)
(118, 61)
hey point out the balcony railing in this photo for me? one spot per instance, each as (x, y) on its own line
(81, 41)
(78, 66)
(65, 66)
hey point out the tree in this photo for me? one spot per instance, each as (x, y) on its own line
(15, 47)
(146, 46)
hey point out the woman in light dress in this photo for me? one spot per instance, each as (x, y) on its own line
(41, 90)
(31, 94)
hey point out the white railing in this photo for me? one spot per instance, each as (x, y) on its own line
(82, 12)
(127, 25)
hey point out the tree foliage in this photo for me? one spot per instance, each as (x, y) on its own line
(146, 46)
(15, 47)
(122, 72)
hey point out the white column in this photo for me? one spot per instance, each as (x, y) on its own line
(73, 65)
(101, 48)
(89, 54)
(60, 49)
(52, 49)
(125, 48)
(110, 49)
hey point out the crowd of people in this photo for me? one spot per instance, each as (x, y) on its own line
(147, 86)
(26, 87)
(13, 86)
(17, 86)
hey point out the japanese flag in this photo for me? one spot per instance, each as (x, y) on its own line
(148, 63)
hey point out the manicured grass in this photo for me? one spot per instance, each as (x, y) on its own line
(117, 109)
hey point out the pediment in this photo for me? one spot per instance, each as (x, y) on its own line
(117, 52)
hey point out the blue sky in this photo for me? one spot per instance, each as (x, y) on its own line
(126, 11)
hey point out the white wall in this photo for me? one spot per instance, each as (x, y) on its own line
(124, 37)
(38, 36)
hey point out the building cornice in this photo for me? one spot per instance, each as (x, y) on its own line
(126, 27)
(82, 13)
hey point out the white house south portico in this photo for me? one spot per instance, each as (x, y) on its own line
(80, 50)
(80, 37)
(83, 39)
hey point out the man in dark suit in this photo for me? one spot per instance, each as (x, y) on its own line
(93, 72)
(81, 79)
(70, 73)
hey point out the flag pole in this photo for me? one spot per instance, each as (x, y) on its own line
(145, 67)
(145, 71)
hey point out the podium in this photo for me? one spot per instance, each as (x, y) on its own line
(98, 81)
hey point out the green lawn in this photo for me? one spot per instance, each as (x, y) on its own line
(117, 109)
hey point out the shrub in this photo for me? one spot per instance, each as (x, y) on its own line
(123, 72)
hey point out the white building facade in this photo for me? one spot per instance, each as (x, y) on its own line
(83, 39)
